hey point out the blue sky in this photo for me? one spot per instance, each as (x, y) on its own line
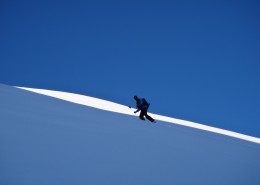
(193, 60)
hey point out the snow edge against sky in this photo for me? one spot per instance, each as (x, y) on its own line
(118, 108)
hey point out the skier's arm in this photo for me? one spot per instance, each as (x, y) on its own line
(137, 110)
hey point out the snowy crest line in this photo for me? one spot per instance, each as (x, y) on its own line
(115, 107)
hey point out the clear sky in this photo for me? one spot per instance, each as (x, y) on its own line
(193, 60)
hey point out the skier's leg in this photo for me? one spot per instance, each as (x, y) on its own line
(147, 116)
(141, 116)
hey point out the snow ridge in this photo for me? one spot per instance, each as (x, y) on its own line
(115, 107)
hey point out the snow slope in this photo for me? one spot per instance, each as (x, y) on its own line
(49, 141)
(114, 107)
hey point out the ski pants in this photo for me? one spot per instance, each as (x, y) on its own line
(144, 113)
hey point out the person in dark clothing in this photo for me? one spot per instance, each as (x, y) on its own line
(142, 105)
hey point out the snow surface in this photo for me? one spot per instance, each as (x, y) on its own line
(115, 107)
(49, 141)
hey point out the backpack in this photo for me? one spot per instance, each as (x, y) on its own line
(143, 103)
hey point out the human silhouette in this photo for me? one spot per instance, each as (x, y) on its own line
(142, 105)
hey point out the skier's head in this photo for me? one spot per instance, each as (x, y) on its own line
(135, 97)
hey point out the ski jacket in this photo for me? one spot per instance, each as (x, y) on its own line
(141, 104)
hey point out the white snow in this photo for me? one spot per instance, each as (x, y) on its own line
(115, 107)
(49, 141)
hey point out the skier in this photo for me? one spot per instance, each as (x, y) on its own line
(141, 104)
